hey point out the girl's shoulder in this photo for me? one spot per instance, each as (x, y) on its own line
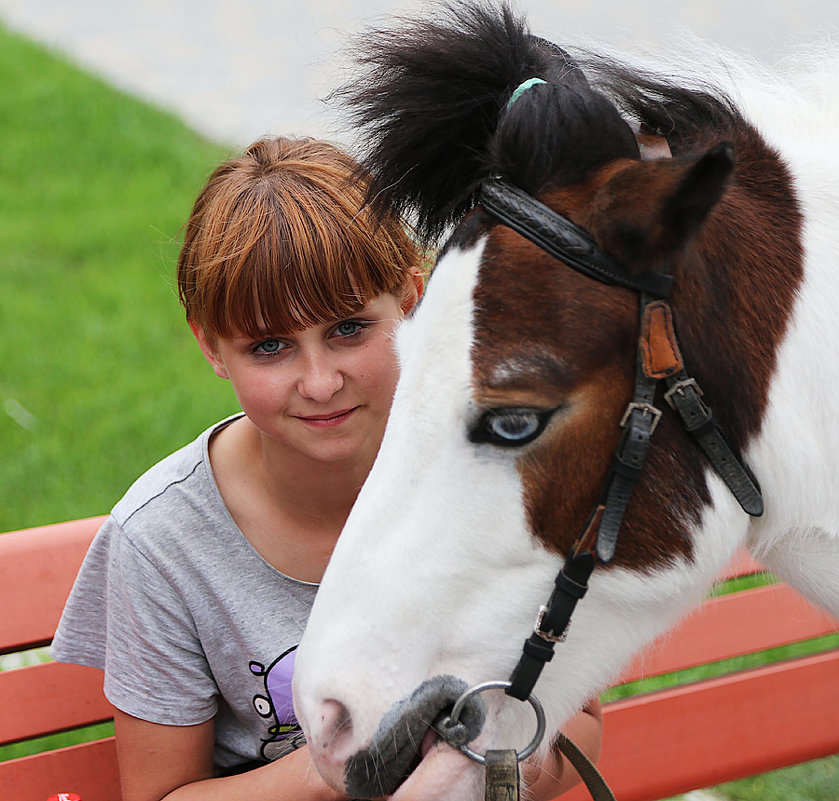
(177, 489)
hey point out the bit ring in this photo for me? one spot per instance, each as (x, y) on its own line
(499, 685)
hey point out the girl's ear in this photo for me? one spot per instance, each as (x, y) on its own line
(208, 348)
(414, 288)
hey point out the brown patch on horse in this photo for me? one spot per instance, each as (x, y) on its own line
(736, 280)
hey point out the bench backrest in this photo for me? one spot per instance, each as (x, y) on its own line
(655, 745)
(746, 722)
(37, 569)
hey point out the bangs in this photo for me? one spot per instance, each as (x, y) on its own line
(281, 255)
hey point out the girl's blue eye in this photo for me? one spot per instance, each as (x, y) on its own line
(269, 346)
(348, 328)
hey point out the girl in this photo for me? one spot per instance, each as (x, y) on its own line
(195, 592)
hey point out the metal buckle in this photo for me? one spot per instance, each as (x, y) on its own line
(680, 388)
(549, 636)
(646, 408)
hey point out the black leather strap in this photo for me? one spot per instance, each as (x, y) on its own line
(627, 465)
(624, 474)
(562, 239)
(685, 396)
(569, 587)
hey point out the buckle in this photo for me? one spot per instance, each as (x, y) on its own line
(549, 636)
(680, 387)
(646, 408)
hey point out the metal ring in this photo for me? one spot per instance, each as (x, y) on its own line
(500, 685)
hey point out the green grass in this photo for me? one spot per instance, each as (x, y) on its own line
(99, 376)
(811, 781)
(53, 741)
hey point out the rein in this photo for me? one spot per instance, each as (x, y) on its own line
(659, 361)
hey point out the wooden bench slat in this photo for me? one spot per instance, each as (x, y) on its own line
(37, 570)
(48, 698)
(655, 745)
(733, 625)
(90, 770)
(703, 734)
(743, 564)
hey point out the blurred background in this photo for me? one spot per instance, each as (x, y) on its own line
(238, 70)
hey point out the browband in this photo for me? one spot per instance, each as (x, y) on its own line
(562, 239)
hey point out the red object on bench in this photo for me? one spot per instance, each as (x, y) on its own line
(655, 745)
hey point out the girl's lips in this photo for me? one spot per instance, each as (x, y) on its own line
(327, 420)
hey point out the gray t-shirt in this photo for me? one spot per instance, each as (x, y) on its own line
(187, 620)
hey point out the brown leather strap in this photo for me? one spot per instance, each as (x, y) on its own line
(652, 147)
(660, 355)
(594, 782)
(502, 776)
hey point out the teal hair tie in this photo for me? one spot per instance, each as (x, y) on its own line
(521, 88)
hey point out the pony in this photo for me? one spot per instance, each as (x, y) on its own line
(507, 454)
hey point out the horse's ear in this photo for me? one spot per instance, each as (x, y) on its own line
(699, 190)
(650, 212)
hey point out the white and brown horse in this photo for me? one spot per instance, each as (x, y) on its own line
(517, 370)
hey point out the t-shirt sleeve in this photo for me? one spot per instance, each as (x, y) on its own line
(125, 617)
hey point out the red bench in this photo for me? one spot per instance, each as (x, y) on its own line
(655, 745)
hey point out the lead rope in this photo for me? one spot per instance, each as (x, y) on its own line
(594, 782)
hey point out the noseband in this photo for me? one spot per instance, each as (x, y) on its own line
(659, 359)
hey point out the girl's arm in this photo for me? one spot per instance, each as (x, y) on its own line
(175, 763)
(555, 775)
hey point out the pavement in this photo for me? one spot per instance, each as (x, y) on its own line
(238, 69)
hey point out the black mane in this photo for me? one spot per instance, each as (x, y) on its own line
(431, 102)
(689, 117)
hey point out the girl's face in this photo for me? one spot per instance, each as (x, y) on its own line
(324, 392)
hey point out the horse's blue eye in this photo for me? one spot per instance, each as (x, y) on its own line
(510, 427)
(514, 426)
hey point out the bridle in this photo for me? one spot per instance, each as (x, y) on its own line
(658, 360)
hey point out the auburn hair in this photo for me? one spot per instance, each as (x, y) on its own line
(280, 239)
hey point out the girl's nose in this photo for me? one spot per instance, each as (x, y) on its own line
(321, 377)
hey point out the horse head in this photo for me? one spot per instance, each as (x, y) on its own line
(517, 371)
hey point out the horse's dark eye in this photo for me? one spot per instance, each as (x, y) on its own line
(511, 428)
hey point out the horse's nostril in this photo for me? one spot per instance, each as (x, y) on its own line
(335, 728)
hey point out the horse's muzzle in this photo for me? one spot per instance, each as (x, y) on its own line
(394, 751)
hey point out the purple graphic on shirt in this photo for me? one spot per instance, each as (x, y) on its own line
(284, 733)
